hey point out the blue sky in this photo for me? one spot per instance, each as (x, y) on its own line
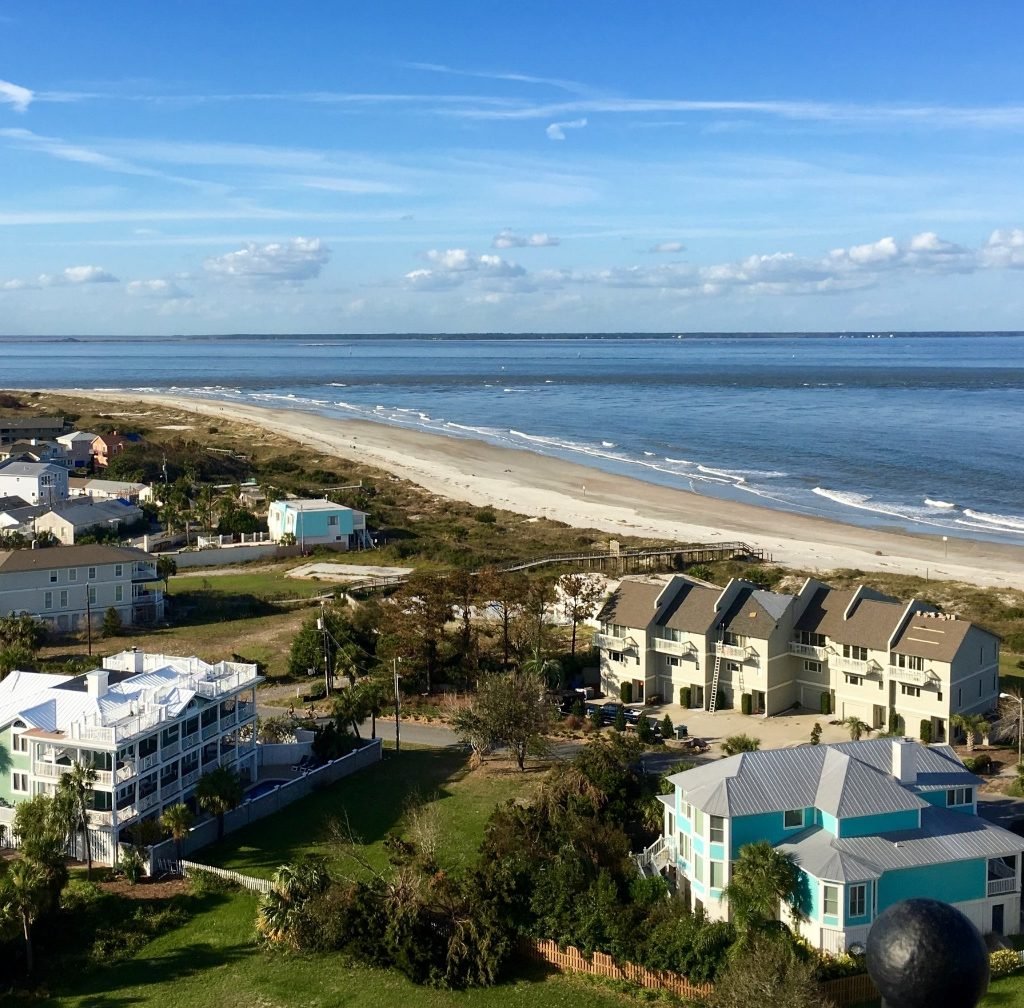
(653, 166)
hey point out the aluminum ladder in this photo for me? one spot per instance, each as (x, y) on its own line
(713, 699)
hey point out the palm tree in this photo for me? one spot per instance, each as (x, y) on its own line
(77, 785)
(294, 884)
(549, 670)
(218, 792)
(23, 897)
(177, 820)
(856, 727)
(761, 878)
(739, 744)
(972, 725)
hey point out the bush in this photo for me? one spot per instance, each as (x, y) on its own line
(897, 726)
(826, 702)
(644, 732)
(596, 719)
(685, 696)
(816, 734)
(926, 730)
(746, 703)
(1002, 962)
(132, 865)
(111, 623)
(979, 764)
(485, 516)
(201, 883)
(668, 730)
(626, 692)
(620, 721)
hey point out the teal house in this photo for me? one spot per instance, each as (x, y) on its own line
(867, 823)
(317, 523)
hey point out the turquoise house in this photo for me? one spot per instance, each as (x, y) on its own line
(317, 523)
(867, 824)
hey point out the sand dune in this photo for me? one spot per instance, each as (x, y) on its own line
(535, 485)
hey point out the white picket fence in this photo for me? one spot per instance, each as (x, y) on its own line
(187, 868)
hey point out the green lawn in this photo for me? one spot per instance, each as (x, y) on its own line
(272, 584)
(374, 802)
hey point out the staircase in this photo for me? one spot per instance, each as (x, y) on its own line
(713, 699)
(656, 857)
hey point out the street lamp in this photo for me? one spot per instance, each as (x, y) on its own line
(398, 704)
(1020, 723)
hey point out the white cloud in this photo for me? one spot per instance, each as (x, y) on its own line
(16, 95)
(451, 259)
(164, 289)
(556, 131)
(668, 246)
(277, 262)
(72, 276)
(509, 239)
(453, 267)
(1004, 249)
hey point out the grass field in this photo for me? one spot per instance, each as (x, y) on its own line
(264, 584)
(373, 803)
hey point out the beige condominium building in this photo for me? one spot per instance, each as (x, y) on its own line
(893, 664)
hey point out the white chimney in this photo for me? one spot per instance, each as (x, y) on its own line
(96, 682)
(904, 760)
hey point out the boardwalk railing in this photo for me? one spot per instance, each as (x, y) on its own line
(187, 868)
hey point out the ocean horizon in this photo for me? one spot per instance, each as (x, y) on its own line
(916, 431)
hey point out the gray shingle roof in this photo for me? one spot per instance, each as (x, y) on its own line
(632, 603)
(68, 556)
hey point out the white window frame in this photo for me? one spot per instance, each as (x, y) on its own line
(857, 895)
(72, 573)
(53, 576)
(118, 593)
(825, 912)
(92, 573)
(22, 778)
(19, 742)
(716, 829)
(63, 598)
(118, 570)
(716, 868)
(48, 600)
(788, 812)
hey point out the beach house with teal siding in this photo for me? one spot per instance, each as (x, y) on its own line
(317, 523)
(866, 823)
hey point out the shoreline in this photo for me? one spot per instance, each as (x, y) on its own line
(545, 487)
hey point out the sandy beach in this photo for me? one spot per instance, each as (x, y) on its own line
(535, 485)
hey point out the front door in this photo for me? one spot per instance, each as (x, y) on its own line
(638, 691)
(997, 919)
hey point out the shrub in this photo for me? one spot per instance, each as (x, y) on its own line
(740, 743)
(897, 726)
(1002, 962)
(201, 883)
(926, 730)
(577, 708)
(573, 722)
(981, 763)
(626, 692)
(132, 865)
(620, 721)
(668, 729)
(644, 731)
(685, 696)
(485, 516)
(111, 623)
(826, 702)
(816, 734)
(596, 720)
(746, 703)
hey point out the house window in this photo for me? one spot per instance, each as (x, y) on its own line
(907, 661)
(332, 519)
(72, 573)
(672, 661)
(858, 900)
(793, 818)
(830, 902)
(853, 680)
(855, 651)
(92, 596)
(615, 656)
(64, 599)
(118, 570)
(733, 639)
(960, 796)
(812, 666)
(53, 577)
(92, 573)
(48, 600)
(698, 822)
(118, 593)
(685, 847)
(19, 782)
(717, 829)
(716, 876)
(811, 639)
(20, 743)
(698, 868)
(910, 690)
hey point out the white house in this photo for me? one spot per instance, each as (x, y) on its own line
(104, 489)
(74, 518)
(70, 586)
(77, 448)
(150, 725)
(35, 482)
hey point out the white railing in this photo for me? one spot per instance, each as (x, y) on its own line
(190, 740)
(124, 773)
(126, 813)
(51, 769)
(808, 651)
(210, 730)
(603, 640)
(100, 818)
(997, 887)
(187, 780)
(915, 677)
(148, 802)
(732, 651)
(148, 762)
(167, 751)
(854, 665)
(228, 718)
(660, 854)
(682, 648)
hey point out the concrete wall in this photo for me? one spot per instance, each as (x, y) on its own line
(233, 555)
(252, 811)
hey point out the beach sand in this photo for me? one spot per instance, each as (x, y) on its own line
(536, 485)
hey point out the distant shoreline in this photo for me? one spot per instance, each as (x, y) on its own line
(542, 486)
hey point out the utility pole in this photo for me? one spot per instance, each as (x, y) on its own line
(398, 705)
(88, 617)
(327, 650)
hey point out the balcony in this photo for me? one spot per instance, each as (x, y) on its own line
(148, 762)
(210, 730)
(683, 649)
(187, 780)
(169, 788)
(1000, 886)
(732, 651)
(808, 651)
(914, 677)
(51, 770)
(97, 818)
(613, 643)
(853, 665)
(189, 741)
(169, 751)
(127, 772)
(144, 804)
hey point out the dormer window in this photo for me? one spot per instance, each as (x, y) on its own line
(960, 796)
(793, 818)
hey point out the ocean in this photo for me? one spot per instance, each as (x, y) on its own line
(914, 431)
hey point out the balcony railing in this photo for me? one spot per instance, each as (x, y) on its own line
(854, 665)
(187, 780)
(169, 788)
(999, 886)
(613, 643)
(808, 651)
(210, 730)
(683, 649)
(732, 651)
(51, 769)
(190, 740)
(144, 804)
(170, 750)
(126, 772)
(98, 818)
(148, 762)
(126, 813)
(915, 677)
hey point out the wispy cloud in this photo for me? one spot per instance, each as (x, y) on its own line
(16, 95)
(566, 85)
(667, 247)
(509, 239)
(72, 276)
(277, 262)
(159, 289)
(556, 130)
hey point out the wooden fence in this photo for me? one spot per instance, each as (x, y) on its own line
(843, 992)
(245, 881)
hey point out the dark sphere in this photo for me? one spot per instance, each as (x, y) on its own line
(922, 953)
